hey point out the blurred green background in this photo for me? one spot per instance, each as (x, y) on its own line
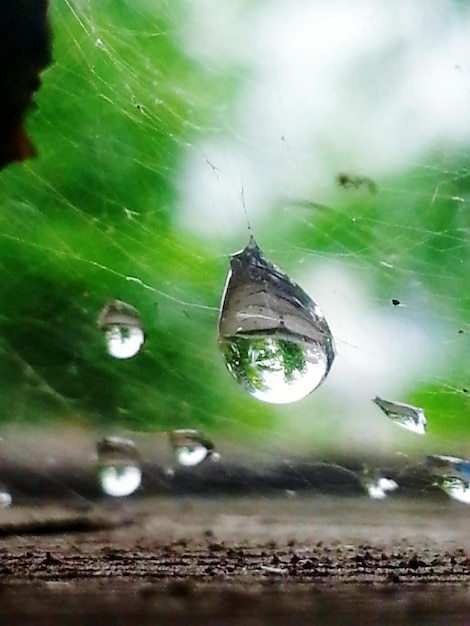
(98, 215)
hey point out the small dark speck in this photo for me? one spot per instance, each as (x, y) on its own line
(348, 181)
(460, 331)
(138, 106)
(395, 302)
(465, 390)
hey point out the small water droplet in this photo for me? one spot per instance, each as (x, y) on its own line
(456, 488)
(273, 336)
(119, 466)
(191, 447)
(122, 327)
(405, 415)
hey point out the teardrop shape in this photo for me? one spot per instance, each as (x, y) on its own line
(191, 447)
(119, 466)
(405, 415)
(122, 327)
(274, 338)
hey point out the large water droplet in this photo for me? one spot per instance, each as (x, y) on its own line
(122, 327)
(191, 447)
(405, 415)
(273, 336)
(119, 466)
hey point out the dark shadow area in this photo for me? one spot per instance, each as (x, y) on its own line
(25, 50)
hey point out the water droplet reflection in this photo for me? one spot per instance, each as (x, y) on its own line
(273, 336)
(122, 329)
(405, 415)
(191, 447)
(120, 481)
(119, 466)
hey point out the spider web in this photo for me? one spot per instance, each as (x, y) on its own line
(340, 130)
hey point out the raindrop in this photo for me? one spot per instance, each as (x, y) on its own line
(405, 415)
(119, 466)
(191, 447)
(456, 488)
(122, 327)
(274, 338)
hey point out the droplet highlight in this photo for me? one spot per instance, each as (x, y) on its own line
(191, 447)
(122, 328)
(405, 415)
(119, 466)
(274, 338)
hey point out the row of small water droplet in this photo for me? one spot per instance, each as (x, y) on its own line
(120, 465)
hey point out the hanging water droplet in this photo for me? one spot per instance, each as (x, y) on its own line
(122, 329)
(273, 336)
(119, 466)
(191, 447)
(456, 488)
(405, 415)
